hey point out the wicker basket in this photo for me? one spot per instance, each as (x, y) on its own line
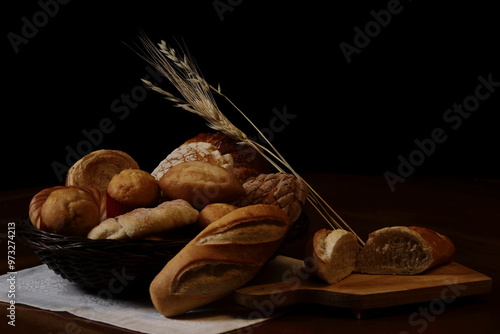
(100, 264)
(111, 264)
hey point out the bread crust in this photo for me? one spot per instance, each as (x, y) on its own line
(141, 222)
(227, 247)
(193, 151)
(247, 162)
(134, 187)
(334, 254)
(71, 211)
(281, 189)
(131, 189)
(36, 203)
(212, 212)
(404, 250)
(201, 183)
(96, 169)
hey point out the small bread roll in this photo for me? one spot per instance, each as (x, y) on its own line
(35, 207)
(201, 183)
(212, 212)
(131, 189)
(334, 254)
(70, 211)
(96, 169)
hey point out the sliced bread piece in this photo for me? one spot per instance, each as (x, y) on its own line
(334, 254)
(404, 250)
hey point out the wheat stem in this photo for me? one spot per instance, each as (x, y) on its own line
(184, 75)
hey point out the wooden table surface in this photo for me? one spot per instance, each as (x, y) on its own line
(466, 210)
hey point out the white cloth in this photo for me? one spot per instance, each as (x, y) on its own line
(40, 287)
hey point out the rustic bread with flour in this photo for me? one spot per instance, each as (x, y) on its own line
(224, 256)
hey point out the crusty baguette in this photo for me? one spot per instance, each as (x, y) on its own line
(142, 222)
(402, 250)
(223, 257)
(334, 254)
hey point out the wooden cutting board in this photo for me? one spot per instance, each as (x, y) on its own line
(360, 292)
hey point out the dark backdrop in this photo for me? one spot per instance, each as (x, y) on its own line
(68, 69)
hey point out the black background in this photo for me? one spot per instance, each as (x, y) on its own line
(353, 117)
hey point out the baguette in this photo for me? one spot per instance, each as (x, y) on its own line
(402, 250)
(224, 256)
(139, 223)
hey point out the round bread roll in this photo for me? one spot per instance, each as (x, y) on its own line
(35, 207)
(131, 189)
(212, 212)
(201, 183)
(247, 162)
(96, 169)
(70, 211)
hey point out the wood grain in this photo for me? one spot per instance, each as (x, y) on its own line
(361, 292)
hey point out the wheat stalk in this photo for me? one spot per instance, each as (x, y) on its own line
(198, 98)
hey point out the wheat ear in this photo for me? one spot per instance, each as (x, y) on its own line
(197, 95)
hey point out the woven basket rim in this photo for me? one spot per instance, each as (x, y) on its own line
(31, 235)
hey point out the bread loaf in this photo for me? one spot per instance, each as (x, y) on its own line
(247, 162)
(201, 183)
(334, 254)
(223, 257)
(193, 151)
(96, 169)
(402, 250)
(140, 223)
(281, 189)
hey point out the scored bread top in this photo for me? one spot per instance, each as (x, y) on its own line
(193, 151)
(224, 256)
(96, 169)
